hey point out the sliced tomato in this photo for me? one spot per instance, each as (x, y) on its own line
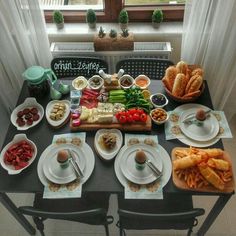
(143, 117)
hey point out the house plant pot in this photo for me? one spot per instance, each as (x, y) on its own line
(91, 18)
(123, 19)
(58, 19)
(157, 18)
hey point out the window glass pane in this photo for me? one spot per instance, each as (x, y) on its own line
(72, 4)
(152, 2)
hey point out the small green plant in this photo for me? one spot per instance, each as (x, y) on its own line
(157, 16)
(123, 17)
(91, 16)
(125, 33)
(101, 32)
(58, 17)
(113, 33)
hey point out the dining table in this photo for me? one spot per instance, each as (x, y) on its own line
(103, 177)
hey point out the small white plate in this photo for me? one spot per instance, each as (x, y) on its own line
(129, 170)
(29, 102)
(166, 170)
(104, 153)
(17, 138)
(57, 123)
(205, 132)
(54, 172)
(89, 161)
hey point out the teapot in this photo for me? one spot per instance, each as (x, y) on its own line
(38, 80)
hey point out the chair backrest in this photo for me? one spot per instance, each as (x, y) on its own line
(153, 68)
(72, 67)
(170, 213)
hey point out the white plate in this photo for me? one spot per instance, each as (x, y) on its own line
(17, 138)
(49, 107)
(188, 141)
(54, 172)
(89, 162)
(166, 163)
(129, 170)
(28, 103)
(108, 154)
(205, 132)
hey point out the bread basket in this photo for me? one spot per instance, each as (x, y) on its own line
(186, 99)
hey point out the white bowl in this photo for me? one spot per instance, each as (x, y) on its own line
(163, 101)
(28, 103)
(159, 122)
(108, 154)
(143, 77)
(128, 79)
(17, 138)
(80, 83)
(92, 85)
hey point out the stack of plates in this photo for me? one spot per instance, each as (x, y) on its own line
(197, 135)
(125, 165)
(49, 169)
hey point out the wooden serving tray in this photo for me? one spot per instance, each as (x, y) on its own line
(136, 126)
(180, 183)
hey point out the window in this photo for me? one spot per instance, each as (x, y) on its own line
(108, 10)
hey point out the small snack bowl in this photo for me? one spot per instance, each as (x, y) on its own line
(96, 82)
(126, 81)
(159, 100)
(159, 116)
(18, 154)
(142, 81)
(80, 83)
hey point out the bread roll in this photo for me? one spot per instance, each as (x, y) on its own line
(170, 75)
(179, 85)
(194, 84)
(182, 67)
(197, 71)
(192, 95)
(166, 83)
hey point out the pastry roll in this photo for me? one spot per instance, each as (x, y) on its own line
(218, 164)
(170, 75)
(187, 162)
(179, 85)
(182, 67)
(211, 176)
(194, 84)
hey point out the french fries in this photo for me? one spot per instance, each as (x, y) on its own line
(192, 174)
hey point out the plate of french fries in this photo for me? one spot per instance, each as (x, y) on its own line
(205, 170)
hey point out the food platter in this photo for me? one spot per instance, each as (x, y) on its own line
(127, 164)
(107, 153)
(57, 123)
(188, 141)
(85, 148)
(166, 162)
(28, 104)
(204, 132)
(181, 183)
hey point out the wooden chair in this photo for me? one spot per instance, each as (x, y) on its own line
(90, 209)
(173, 212)
(71, 67)
(153, 68)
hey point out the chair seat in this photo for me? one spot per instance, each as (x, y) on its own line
(168, 213)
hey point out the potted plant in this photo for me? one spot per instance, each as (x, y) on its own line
(101, 32)
(157, 18)
(123, 19)
(58, 19)
(91, 18)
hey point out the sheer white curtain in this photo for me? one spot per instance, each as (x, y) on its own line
(209, 40)
(23, 43)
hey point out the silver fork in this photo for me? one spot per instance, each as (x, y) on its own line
(154, 168)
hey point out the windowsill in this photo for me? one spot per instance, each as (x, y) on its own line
(142, 31)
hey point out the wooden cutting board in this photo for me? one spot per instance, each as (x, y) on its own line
(180, 183)
(136, 126)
